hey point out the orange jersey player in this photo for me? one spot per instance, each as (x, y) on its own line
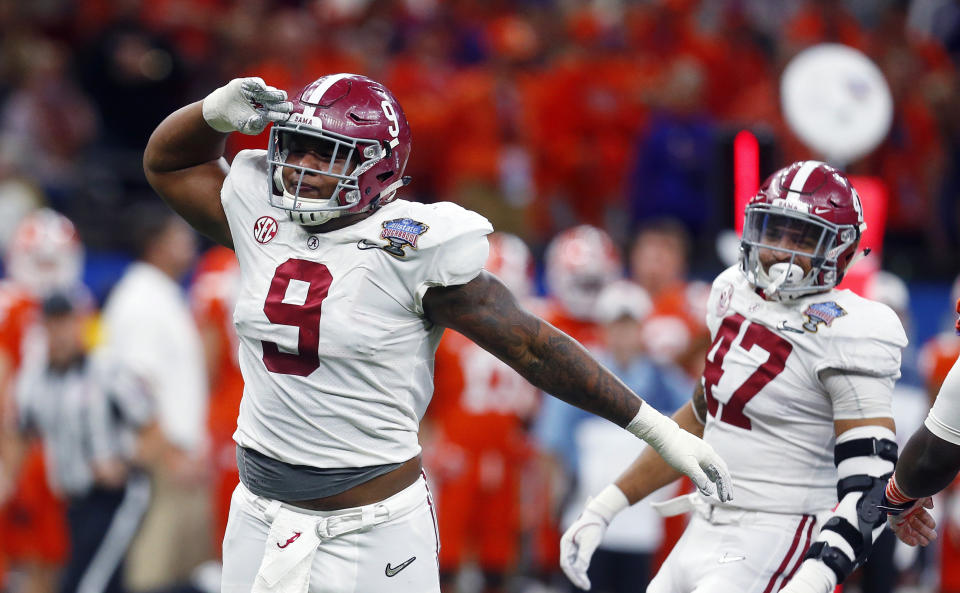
(478, 418)
(213, 296)
(45, 255)
(580, 262)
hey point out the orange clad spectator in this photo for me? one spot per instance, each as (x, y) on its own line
(477, 426)
(213, 296)
(45, 255)
(821, 21)
(294, 56)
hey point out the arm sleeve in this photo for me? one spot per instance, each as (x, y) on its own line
(944, 418)
(856, 395)
(456, 254)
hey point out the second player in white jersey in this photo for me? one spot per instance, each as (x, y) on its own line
(795, 395)
(769, 413)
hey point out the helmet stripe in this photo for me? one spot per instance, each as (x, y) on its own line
(318, 92)
(800, 179)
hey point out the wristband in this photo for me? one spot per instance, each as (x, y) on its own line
(610, 501)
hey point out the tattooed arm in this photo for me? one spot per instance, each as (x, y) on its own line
(485, 311)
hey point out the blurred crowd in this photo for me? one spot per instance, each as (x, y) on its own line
(595, 135)
(540, 113)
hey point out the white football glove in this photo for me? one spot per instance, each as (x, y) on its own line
(812, 577)
(683, 451)
(245, 105)
(581, 539)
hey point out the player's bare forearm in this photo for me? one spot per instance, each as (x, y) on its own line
(927, 464)
(183, 140)
(184, 163)
(649, 472)
(485, 311)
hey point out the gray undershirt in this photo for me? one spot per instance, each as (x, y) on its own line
(277, 480)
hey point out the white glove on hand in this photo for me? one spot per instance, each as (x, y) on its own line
(581, 539)
(683, 451)
(812, 577)
(245, 105)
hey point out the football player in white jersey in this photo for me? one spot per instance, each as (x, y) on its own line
(345, 292)
(796, 396)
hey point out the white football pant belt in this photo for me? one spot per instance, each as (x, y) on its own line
(294, 538)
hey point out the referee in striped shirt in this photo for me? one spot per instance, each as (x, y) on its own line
(97, 426)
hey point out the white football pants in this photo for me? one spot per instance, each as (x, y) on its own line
(735, 550)
(388, 546)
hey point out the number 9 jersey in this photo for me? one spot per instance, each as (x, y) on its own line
(769, 414)
(335, 351)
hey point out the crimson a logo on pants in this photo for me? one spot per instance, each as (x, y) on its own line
(265, 229)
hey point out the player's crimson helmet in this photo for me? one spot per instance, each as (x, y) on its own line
(511, 261)
(45, 254)
(580, 263)
(341, 116)
(808, 209)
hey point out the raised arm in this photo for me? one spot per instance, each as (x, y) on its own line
(183, 160)
(485, 311)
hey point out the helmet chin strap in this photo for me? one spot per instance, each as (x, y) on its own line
(784, 272)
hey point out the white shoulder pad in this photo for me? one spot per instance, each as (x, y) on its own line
(722, 292)
(859, 335)
(246, 179)
(452, 250)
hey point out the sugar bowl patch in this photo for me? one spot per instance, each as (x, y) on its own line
(824, 313)
(400, 233)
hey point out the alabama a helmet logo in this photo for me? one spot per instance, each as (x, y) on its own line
(824, 313)
(265, 229)
(400, 233)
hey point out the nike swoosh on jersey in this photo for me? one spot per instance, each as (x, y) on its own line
(727, 558)
(391, 571)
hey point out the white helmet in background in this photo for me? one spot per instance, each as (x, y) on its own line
(45, 254)
(580, 263)
(510, 260)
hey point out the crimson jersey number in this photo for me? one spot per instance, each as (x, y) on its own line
(305, 317)
(755, 335)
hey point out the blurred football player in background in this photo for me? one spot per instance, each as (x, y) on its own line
(796, 394)
(213, 296)
(475, 440)
(96, 424)
(150, 332)
(345, 292)
(594, 452)
(675, 331)
(45, 256)
(579, 263)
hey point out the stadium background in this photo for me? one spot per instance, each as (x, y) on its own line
(540, 114)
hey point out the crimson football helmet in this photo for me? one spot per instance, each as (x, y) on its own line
(510, 260)
(580, 263)
(45, 254)
(354, 119)
(808, 209)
